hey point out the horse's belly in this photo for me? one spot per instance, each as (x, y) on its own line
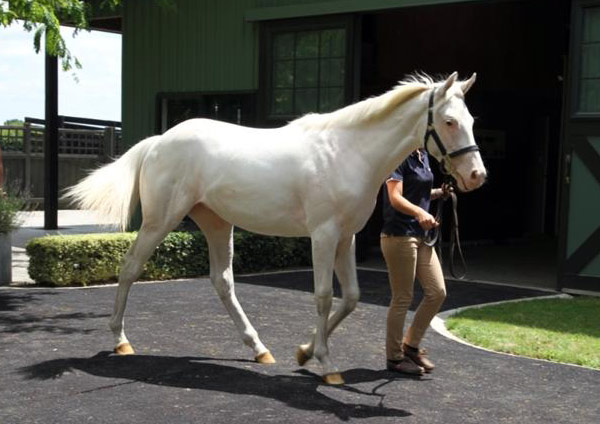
(266, 223)
(261, 216)
(282, 229)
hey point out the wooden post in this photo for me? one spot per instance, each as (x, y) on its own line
(51, 145)
(27, 152)
(108, 150)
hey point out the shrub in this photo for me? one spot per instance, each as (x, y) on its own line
(96, 258)
(10, 205)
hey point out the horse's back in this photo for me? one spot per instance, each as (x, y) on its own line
(250, 177)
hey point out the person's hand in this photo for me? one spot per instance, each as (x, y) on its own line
(426, 220)
(447, 189)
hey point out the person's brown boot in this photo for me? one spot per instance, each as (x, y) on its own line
(405, 366)
(418, 356)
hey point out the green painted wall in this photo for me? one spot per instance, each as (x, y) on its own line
(196, 46)
(204, 45)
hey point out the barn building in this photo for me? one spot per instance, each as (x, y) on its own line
(265, 62)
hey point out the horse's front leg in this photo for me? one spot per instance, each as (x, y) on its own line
(345, 269)
(324, 243)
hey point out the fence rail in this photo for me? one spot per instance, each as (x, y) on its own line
(79, 151)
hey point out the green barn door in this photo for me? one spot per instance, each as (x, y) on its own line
(580, 229)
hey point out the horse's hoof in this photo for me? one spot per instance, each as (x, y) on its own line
(334, 379)
(302, 356)
(265, 358)
(124, 349)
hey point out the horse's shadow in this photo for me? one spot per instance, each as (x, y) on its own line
(298, 391)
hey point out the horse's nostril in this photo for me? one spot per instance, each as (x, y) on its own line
(479, 176)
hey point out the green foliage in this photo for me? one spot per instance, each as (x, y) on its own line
(92, 259)
(11, 139)
(10, 205)
(562, 330)
(258, 253)
(44, 18)
(14, 122)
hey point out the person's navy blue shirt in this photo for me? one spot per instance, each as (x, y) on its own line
(417, 181)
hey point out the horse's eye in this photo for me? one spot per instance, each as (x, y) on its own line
(449, 122)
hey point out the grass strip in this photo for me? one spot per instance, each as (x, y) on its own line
(559, 330)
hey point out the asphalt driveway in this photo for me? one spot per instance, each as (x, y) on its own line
(191, 367)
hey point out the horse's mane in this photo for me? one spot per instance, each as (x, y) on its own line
(371, 109)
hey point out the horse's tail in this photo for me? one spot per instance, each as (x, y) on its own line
(113, 190)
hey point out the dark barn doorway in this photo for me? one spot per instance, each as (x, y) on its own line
(518, 50)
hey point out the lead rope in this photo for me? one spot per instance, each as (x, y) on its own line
(434, 237)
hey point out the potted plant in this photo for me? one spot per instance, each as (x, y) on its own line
(10, 205)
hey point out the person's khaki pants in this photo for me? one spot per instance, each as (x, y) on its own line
(407, 258)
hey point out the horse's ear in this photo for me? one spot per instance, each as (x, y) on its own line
(466, 85)
(448, 83)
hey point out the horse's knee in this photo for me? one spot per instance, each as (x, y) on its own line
(323, 298)
(130, 270)
(351, 300)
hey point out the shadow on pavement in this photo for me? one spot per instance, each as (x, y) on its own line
(298, 391)
(375, 289)
(14, 300)
(40, 318)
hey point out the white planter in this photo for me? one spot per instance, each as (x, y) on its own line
(5, 259)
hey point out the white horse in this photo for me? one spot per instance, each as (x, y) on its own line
(318, 176)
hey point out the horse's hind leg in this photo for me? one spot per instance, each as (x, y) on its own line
(133, 264)
(219, 236)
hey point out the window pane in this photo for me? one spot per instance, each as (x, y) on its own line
(333, 43)
(283, 46)
(306, 101)
(331, 99)
(590, 61)
(307, 73)
(591, 24)
(282, 102)
(589, 96)
(589, 82)
(332, 72)
(283, 74)
(307, 44)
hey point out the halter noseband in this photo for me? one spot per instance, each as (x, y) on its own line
(431, 132)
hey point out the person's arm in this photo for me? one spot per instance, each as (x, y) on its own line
(401, 204)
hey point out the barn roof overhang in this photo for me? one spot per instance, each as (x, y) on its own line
(105, 18)
(336, 7)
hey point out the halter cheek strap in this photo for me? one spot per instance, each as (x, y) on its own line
(432, 133)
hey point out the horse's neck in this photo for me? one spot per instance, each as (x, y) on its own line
(385, 144)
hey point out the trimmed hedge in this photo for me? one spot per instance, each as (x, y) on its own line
(96, 258)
